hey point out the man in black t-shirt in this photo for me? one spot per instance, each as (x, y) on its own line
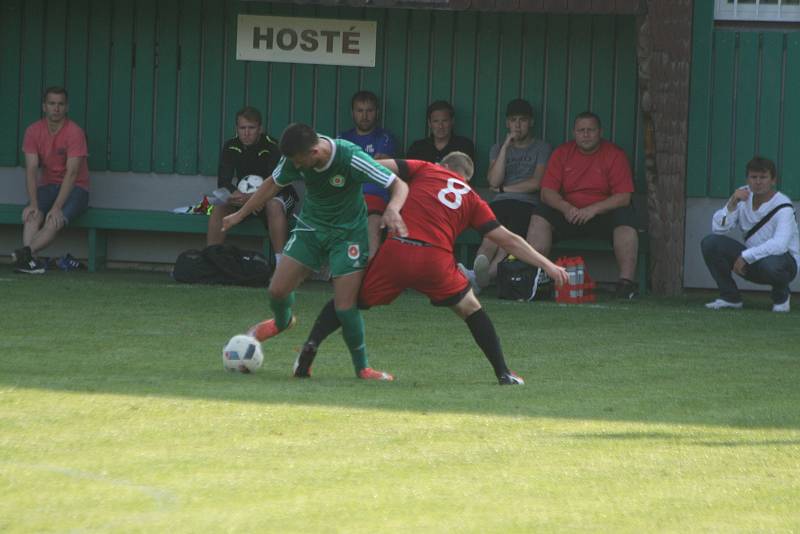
(251, 152)
(442, 141)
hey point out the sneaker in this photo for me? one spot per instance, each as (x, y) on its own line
(68, 263)
(267, 329)
(511, 379)
(299, 370)
(470, 275)
(302, 365)
(31, 266)
(719, 304)
(369, 373)
(626, 289)
(481, 269)
(783, 308)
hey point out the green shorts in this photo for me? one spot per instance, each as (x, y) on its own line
(343, 251)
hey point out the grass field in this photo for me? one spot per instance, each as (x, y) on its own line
(655, 415)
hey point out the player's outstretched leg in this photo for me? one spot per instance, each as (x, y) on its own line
(353, 334)
(283, 320)
(482, 329)
(327, 322)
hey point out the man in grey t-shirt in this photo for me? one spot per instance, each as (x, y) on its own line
(515, 172)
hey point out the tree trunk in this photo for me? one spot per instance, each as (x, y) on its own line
(664, 57)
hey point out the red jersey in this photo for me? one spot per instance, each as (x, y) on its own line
(440, 205)
(584, 179)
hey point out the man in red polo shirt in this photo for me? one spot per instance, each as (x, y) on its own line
(60, 192)
(586, 192)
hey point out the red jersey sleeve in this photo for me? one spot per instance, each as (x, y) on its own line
(480, 214)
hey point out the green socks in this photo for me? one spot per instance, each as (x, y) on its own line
(353, 334)
(282, 310)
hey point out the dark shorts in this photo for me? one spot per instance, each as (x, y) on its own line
(398, 266)
(77, 202)
(513, 214)
(287, 196)
(600, 227)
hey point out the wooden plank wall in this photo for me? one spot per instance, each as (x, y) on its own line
(156, 86)
(744, 101)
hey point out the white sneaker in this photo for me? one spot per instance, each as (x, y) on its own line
(719, 304)
(471, 277)
(782, 308)
(481, 269)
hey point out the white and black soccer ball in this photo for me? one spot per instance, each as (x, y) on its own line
(250, 183)
(243, 354)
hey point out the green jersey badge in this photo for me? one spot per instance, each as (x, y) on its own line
(337, 180)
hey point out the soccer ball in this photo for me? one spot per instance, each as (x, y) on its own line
(242, 353)
(250, 183)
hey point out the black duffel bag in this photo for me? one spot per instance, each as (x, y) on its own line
(222, 264)
(516, 280)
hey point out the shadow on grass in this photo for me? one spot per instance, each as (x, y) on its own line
(673, 438)
(651, 361)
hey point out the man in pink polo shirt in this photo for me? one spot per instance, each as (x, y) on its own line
(60, 192)
(586, 192)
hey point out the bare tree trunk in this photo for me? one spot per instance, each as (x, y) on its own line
(664, 54)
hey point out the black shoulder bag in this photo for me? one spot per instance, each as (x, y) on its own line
(765, 220)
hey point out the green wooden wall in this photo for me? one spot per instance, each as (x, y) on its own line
(155, 84)
(745, 98)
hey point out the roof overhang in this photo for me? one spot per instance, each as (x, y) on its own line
(618, 7)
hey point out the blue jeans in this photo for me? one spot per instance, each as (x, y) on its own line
(720, 253)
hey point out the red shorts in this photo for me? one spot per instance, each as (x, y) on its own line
(398, 266)
(375, 204)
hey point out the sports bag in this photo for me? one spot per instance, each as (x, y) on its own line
(516, 280)
(222, 264)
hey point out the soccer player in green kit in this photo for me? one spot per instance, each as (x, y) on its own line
(330, 229)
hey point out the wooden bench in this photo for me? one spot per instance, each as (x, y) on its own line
(100, 222)
(469, 241)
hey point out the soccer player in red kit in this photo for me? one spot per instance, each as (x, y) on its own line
(440, 205)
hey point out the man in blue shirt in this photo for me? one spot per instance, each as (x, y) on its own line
(378, 143)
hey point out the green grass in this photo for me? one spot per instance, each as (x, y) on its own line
(656, 415)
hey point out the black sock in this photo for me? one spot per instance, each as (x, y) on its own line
(326, 323)
(485, 336)
(24, 254)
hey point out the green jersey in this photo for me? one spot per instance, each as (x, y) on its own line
(333, 198)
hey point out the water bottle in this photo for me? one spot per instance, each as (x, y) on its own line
(572, 272)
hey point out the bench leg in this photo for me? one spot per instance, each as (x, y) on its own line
(98, 246)
(641, 267)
